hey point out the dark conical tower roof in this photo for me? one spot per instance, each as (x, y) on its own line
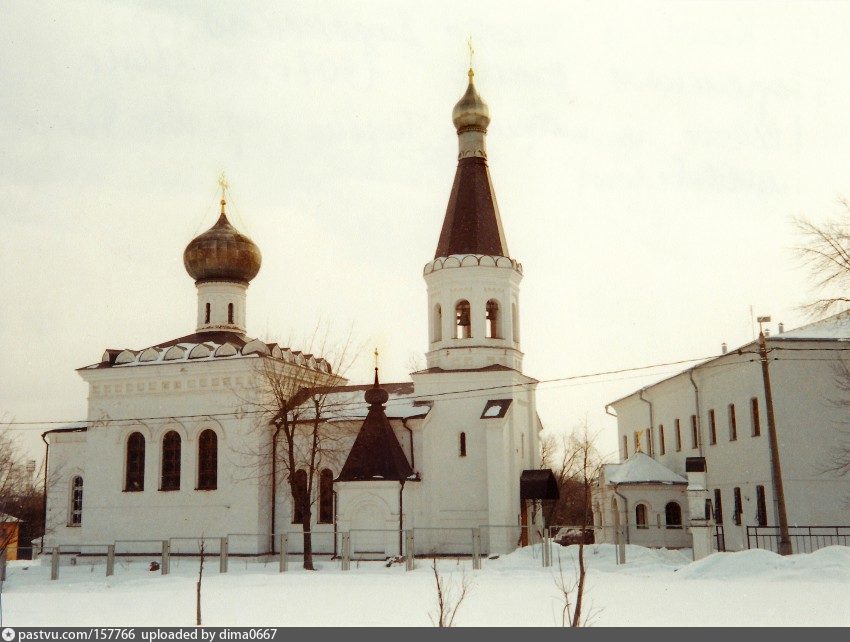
(472, 224)
(376, 453)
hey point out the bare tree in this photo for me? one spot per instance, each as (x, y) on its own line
(21, 499)
(577, 469)
(825, 250)
(449, 597)
(202, 549)
(293, 393)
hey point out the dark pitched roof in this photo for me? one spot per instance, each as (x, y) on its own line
(538, 484)
(237, 339)
(472, 224)
(376, 453)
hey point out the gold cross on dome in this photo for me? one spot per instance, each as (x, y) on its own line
(376, 357)
(471, 49)
(223, 184)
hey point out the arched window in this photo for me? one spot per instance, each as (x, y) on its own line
(463, 444)
(170, 461)
(515, 323)
(208, 460)
(326, 496)
(438, 323)
(299, 491)
(230, 313)
(673, 515)
(76, 501)
(492, 328)
(134, 480)
(640, 516)
(207, 314)
(463, 320)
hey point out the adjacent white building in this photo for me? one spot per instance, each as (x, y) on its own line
(716, 411)
(175, 444)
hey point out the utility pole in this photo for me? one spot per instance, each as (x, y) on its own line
(776, 469)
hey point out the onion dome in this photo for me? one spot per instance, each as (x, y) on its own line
(376, 396)
(222, 254)
(471, 112)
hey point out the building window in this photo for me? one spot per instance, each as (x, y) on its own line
(207, 316)
(739, 507)
(299, 493)
(76, 501)
(678, 436)
(694, 432)
(733, 423)
(718, 507)
(625, 447)
(438, 323)
(463, 444)
(463, 320)
(754, 414)
(326, 496)
(640, 516)
(230, 313)
(712, 427)
(673, 515)
(170, 461)
(492, 327)
(515, 323)
(661, 445)
(208, 460)
(135, 473)
(636, 438)
(761, 507)
(649, 440)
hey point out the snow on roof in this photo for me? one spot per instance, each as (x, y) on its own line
(640, 468)
(836, 327)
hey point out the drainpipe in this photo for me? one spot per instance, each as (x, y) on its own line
(699, 416)
(335, 525)
(626, 510)
(651, 419)
(412, 458)
(44, 492)
(274, 485)
(400, 516)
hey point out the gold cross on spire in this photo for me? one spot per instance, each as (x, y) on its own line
(376, 357)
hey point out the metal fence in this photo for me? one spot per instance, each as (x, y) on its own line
(804, 539)
(389, 546)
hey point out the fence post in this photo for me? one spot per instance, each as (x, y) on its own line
(547, 548)
(346, 551)
(283, 553)
(54, 564)
(408, 550)
(222, 555)
(110, 560)
(3, 566)
(476, 549)
(166, 557)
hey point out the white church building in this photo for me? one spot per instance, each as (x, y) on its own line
(174, 447)
(712, 418)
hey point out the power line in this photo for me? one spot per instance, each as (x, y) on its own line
(458, 394)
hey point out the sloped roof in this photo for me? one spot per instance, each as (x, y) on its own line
(640, 468)
(836, 327)
(472, 224)
(376, 453)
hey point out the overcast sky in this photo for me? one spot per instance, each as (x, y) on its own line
(648, 160)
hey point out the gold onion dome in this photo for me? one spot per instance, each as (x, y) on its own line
(222, 254)
(471, 112)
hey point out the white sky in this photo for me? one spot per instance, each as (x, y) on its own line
(647, 158)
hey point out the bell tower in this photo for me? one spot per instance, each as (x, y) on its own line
(473, 283)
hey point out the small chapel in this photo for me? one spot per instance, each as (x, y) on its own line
(176, 444)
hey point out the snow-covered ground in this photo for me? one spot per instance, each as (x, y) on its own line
(655, 588)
